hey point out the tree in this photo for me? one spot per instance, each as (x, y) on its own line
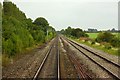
(62, 31)
(19, 32)
(68, 31)
(104, 37)
(10, 9)
(74, 32)
(42, 22)
(115, 42)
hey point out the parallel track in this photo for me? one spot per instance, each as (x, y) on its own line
(102, 66)
(81, 73)
(58, 60)
(96, 54)
(78, 67)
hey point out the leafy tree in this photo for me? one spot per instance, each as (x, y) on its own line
(77, 32)
(68, 31)
(115, 42)
(104, 37)
(10, 9)
(74, 32)
(62, 31)
(42, 22)
(19, 32)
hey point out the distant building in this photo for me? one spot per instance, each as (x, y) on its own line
(92, 30)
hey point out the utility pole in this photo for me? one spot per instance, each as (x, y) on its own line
(47, 34)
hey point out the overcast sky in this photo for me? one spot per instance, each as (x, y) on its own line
(98, 14)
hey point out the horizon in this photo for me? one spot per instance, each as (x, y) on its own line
(96, 29)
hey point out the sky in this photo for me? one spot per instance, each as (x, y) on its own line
(84, 14)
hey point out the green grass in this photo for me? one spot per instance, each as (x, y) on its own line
(116, 34)
(94, 35)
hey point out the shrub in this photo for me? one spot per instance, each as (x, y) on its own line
(93, 42)
(119, 51)
(104, 37)
(115, 42)
(107, 46)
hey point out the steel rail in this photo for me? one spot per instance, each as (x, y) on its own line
(81, 73)
(115, 76)
(58, 61)
(42, 64)
(95, 54)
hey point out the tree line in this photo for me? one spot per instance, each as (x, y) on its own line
(103, 37)
(20, 32)
(74, 32)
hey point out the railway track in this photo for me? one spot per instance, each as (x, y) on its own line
(107, 65)
(81, 73)
(95, 53)
(58, 60)
(47, 56)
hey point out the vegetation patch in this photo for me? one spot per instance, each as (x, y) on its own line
(92, 35)
(105, 47)
(20, 33)
(103, 40)
(74, 32)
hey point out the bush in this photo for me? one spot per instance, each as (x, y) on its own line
(8, 47)
(107, 46)
(115, 42)
(104, 37)
(93, 42)
(119, 51)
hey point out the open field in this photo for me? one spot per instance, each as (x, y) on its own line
(94, 35)
(116, 34)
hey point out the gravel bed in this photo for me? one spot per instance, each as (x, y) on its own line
(110, 57)
(92, 67)
(107, 65)
(26, 66)
(67, 69)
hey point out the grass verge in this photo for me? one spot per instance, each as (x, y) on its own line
(99, 47)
